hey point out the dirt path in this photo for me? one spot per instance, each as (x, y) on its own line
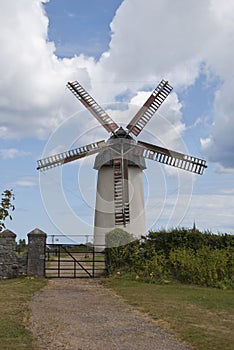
(80, 314)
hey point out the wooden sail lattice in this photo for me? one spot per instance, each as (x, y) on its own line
(169, 157)
(98, 112)
(149, 108)
(68, 156)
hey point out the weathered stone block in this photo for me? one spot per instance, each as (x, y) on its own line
(36, 253)
(8, 256)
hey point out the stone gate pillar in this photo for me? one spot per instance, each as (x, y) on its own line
(36, 253)
(8, 257)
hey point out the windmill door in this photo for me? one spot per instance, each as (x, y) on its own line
(73, 261)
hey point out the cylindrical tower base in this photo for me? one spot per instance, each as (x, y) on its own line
(104, 220)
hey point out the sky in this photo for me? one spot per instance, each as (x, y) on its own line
(119, 51)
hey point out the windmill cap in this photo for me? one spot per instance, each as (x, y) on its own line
(113, 151)
(121, 133)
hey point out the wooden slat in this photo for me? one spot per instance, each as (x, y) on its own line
(121, 197)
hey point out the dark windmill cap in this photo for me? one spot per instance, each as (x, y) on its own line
(120, 145)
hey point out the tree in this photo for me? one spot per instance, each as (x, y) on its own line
(117, 248)
(118, 237)
(21, 246)
(6, 207)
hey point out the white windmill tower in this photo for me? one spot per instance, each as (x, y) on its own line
(120, 163)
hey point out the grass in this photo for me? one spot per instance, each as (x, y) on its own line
(203, 317)
(14, 297)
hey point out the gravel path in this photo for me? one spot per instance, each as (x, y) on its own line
(81, 314)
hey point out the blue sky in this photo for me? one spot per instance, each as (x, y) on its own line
(119, 51)
(79, 27)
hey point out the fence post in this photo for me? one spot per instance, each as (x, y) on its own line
(36, 253)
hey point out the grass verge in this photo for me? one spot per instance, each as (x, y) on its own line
(14, 297)
(203, 317)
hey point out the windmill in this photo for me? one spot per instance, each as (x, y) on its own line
(120, 163)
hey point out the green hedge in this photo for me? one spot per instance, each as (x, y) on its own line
(182, 255)
(214, 268)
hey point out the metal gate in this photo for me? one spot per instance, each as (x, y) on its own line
(74, 261)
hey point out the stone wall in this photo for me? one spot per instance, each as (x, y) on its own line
(23, 264)
(31, 263)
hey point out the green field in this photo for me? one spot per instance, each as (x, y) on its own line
(14, 297)
(203, 317)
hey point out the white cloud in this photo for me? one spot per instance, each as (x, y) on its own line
(218, 217)
(27, 181)
(174, 41)
(150, 40)
(222, 170)
(32, 77)
(10, 153)
(155, 39)
(229, 191)
(220, 143)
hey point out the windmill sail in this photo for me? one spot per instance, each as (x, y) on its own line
(94, 108)
(166, 156)
(146, 112)
(69, 156)
(121, 195)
